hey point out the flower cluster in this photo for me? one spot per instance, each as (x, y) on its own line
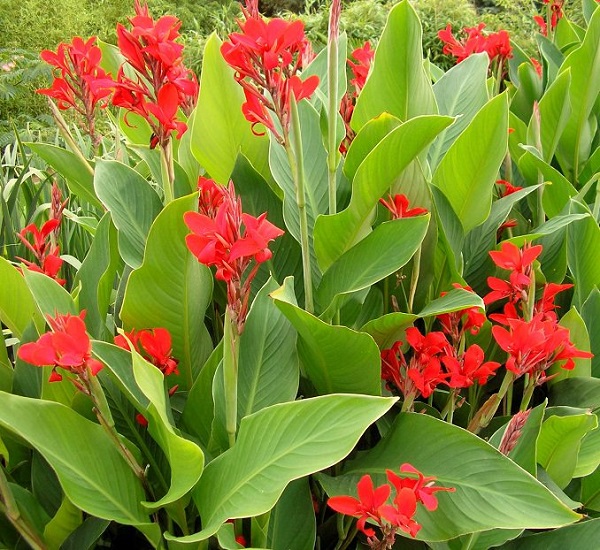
(398, 205)
(224, 237)
(154, 345)
(162, 84)
(77, 70)
(360, 70)
(267, 57)
(474, 40)
(555, 12)
(67, 346)
(411, 487)
(528, 330)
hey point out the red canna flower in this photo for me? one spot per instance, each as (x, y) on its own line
(541, 23)
(401, 514)
(536, 65)
(47, 255)
(154, 345)
(469, 368)
(456, 323)
(224, 237)
(267, 55)
(496, 45)
(367, 506)
(398, 206)
(422, 486)
(67, 346)
(509, 188)
(76, 76)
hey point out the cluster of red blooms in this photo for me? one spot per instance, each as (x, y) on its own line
(230, 240)
(360, 70)
(530, 332)
(372, 504)
(67, 346)
(436, 358)
(154, 345)
(555, 9)
(44, 248)
(162, 83)
(496, 44)
(267, 56)
(161, 86)
(77, 69)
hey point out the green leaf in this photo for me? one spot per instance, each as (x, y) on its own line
(398, 83)
(590, 312)
(584, 66)
(172, 290)
(335, 234)
(335, 358)
(576, 392)
(50, 297)
(588, 458)
(133, 205)
(17, 307)
(97, 277)
(268, 363)
(92, 473)
(491, 490)
(461, 92)
(185, 458)
(583, 251)
(584, 534)
(292, 524)
(78, 175)
(275, 446)
(219, 129)
(64, 522)
(86, 535)
(455, 300)
(590, 491)
(468, 171)
(381, 253)
(559, 443)
(6, 368)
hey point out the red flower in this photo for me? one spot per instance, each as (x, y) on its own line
(398, 206)
(46, 254)
(469, 368)
(154, 345)
(224, 237)
(367, 506)
(456, 323)
(421, 486)
(496, 45)
(541, 23)
(509, 188)
(67, 346)
(401, 513)
(267, 56)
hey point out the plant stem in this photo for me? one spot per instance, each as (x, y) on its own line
(332, 90)
(296, 160)
(414, 279)
(167, 170)
(487, 411)
(64, 130)
(231, 350)
(9, 507)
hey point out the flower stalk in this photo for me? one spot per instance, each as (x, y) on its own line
(167, 171)
(333, 107)
(231, 352)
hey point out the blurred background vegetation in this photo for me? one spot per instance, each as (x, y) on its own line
(32, 25)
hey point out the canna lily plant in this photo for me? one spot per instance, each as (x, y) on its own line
(336, 299)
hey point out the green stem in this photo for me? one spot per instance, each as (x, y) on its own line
(470, 540)
(596, 211)
(407, 404)
(487, 411)
(296, 160)
(527, 394)
(448, 411)
(64, 130)
(9, 507)
(167, 170)
(332, 151)
(231, 351)
(414, 279)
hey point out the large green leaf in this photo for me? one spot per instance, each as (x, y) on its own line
(590, 312)
(50, 297)
(92, 473)
(583, 251)
(292, 523)
(65, 521)
(381, 253)
(268, 362)
(461, 92)
(172, 290)
(335, 358)
(584, 66)
(133, 205)
(491, 490)
(186, 460)
(334, 234)
(559, 443)
(79, 177)
(17, 307)
(219, 129)
(584, 536)
(275, 446)
(469, 169)
(97, 277)
(398, 83)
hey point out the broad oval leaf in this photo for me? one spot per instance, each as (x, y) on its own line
(275, 446)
